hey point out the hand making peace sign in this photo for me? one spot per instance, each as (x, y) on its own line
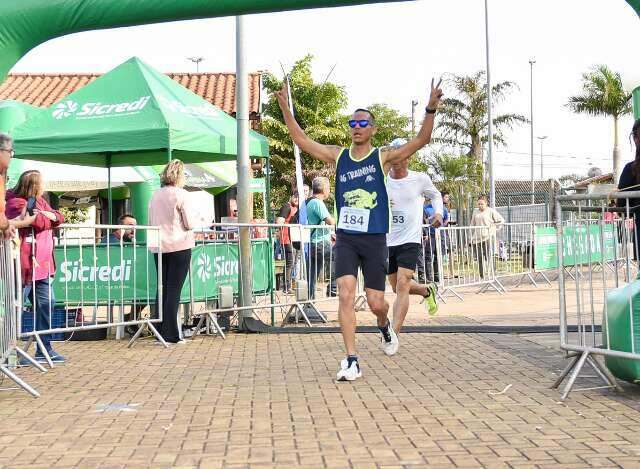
(436, 94)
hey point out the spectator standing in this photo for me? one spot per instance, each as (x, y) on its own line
(630, 181)
(320, 239)
(6, 153)
(484, 240)
(287, 212)
(430, 252)
(169, 210)
(36, 220)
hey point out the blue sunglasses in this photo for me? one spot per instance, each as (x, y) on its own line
(362, 123)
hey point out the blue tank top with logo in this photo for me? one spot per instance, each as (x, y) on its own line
(362, 201)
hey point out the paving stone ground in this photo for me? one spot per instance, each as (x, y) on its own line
(254, 401)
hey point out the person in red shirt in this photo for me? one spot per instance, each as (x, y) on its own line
(36, 220)
(286, 214)
(6, 152)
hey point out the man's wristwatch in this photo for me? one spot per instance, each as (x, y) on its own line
(429, 111)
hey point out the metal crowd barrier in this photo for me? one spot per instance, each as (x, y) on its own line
(459, 257)
(95, 275)
(597, 287)
(291, 283)
(10, 295)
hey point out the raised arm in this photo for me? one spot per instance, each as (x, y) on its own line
(424, 135)
(326, 153)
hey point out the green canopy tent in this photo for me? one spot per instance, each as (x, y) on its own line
(213, 177)
(132, 116)
(14, 113)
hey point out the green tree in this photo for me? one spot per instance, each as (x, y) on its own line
(391, 124)
(460, 175)
(74, 215)
(604, 95)
(462, 119)
(317, 108)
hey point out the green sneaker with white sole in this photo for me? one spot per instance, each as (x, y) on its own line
(432, 300)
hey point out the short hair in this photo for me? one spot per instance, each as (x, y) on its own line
(28, 184)
(443, 193)
(373, 118)
(483, 197)
(319, 184)
(5, 139)
(173, 174)
(122, 217)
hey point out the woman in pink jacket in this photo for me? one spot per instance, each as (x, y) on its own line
(36, 222)
(169, 210)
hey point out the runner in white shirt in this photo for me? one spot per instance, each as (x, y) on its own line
(407, 190)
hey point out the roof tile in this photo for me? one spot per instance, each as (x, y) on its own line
(43, 90)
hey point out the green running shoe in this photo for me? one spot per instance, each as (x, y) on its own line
(431, 300)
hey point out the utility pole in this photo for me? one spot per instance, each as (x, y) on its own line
(542, 139)
(492, 182)
(245, 209)
(196, 60)
(414, 103)
(533, 184)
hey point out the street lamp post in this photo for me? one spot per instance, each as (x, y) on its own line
(533, 187)
(492, 183)
(414, 103)
(196, 60)
(542, 139)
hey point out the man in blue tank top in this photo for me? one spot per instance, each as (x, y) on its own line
(362, 205)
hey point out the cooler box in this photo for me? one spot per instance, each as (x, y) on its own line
(620, 302)
(57, 320)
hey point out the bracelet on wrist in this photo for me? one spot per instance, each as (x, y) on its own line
(429, 111)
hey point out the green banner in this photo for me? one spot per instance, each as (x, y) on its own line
(581, 245)
(128, 274)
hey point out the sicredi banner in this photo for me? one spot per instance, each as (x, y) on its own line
(581, 245)
(93, 110)
(130, 274)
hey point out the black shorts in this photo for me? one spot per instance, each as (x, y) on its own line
(404, 255)
(366, 251)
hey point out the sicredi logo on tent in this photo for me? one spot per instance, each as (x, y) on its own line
(204, 111)
(99, 110)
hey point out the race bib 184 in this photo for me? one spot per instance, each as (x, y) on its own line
(354, 219)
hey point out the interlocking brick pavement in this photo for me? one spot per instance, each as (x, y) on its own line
(271, 401)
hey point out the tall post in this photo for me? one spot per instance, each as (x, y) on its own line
(109, 192)
(492, 183)
(533, 184)
(542, 139)
(414, 103)
(243, 164)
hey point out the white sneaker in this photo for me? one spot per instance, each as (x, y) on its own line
(348, 373)
(390, 348)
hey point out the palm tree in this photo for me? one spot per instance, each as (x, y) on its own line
(463, 121)
(604, 95)
(461, 176)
